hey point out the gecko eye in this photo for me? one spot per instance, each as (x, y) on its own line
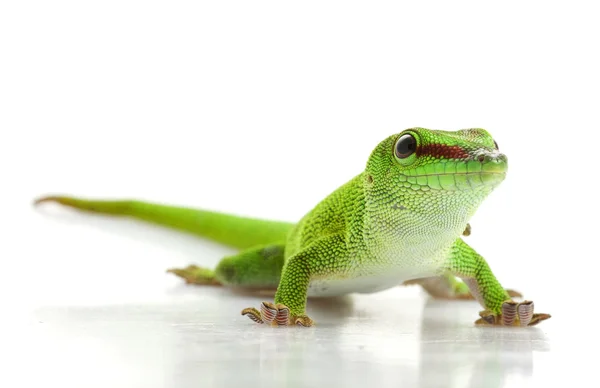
(405, 146)
(496, 145)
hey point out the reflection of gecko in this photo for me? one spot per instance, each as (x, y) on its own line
(399, 220)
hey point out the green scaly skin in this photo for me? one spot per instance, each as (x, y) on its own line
(398, 221)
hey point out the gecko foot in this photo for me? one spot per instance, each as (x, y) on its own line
(513, 314)
(192, 274)
(276, 315)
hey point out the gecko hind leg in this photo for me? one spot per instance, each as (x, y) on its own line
(449, 287)
(255, 268)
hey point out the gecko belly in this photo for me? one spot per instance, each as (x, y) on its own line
(364, 284)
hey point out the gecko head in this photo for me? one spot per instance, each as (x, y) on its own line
(467, 161)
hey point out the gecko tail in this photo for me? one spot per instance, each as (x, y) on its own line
(232, 230)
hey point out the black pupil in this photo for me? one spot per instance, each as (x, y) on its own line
(405, 146)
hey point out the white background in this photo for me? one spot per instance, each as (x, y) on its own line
(263, 108)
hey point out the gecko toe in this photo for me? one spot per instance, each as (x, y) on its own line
(268, 311)
(283, 315)
(537, 318)
(509, 312)
(525, 312)
(253, 314)
(276, 315)
(304, 321)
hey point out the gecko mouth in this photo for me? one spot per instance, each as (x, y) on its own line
(456, 181)
(483, 170)
(461, 175)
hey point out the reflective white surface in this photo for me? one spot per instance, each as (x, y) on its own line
(196, 338)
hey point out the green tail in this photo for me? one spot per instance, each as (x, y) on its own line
(235, 231)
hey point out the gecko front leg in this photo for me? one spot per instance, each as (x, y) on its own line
(500, 309)
(318, 259)
(290, 299)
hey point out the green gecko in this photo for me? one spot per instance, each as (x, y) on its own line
(399, 221)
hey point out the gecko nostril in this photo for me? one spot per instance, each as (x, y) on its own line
(481, 158)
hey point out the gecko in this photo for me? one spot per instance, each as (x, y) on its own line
(400, 221)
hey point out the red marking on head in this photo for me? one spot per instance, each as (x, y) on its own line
(442, 151)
